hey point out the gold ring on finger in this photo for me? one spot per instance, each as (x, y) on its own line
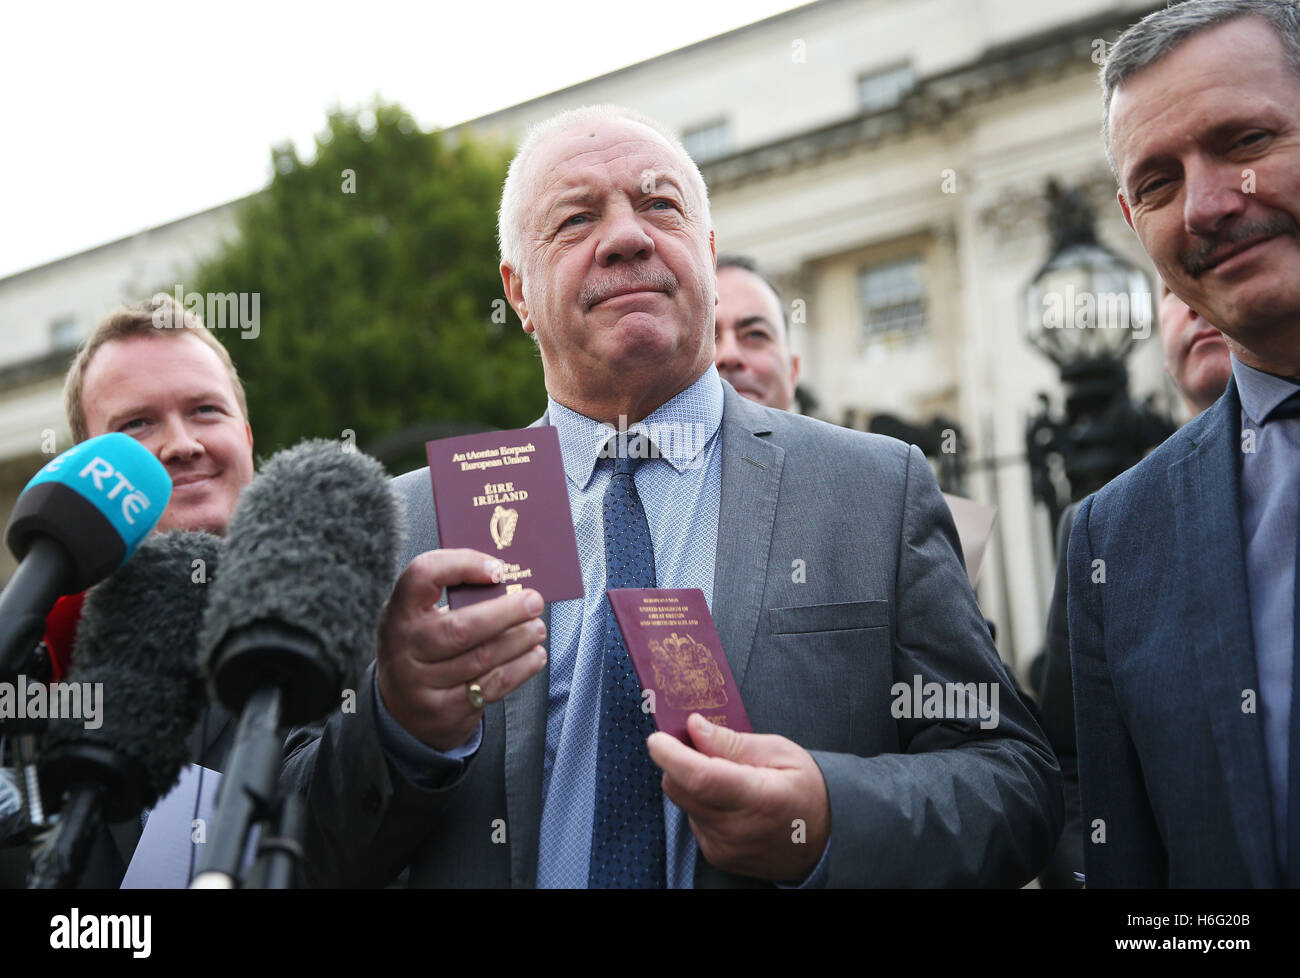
(475, 694)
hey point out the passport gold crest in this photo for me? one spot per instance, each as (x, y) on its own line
(687, 673)
(502, 524)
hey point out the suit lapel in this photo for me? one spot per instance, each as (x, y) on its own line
(525, 747)
(1206, 490)
(751, 478)
(525, 722)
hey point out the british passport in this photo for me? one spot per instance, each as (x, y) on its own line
(503, 493)
(678, 658)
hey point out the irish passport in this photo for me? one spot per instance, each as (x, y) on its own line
(503, 493)
(678, 657)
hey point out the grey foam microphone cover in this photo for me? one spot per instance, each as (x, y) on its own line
(309, 553)
(138, 637)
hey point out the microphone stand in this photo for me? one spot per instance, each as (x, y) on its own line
(280, 854)
(269, 673)
(247, 792)
(23, 736)
(57, 863)
(38, 583)
(98, 785)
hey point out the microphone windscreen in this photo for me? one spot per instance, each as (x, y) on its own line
(309, 549)
(138, 637)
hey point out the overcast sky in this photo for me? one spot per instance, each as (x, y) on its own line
(120, 116)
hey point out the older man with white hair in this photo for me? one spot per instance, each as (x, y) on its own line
(829, 560)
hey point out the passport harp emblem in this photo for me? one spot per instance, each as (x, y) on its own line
(502, 524)
(687, 673)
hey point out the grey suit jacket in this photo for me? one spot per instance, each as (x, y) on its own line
(1172, 762)
(882, 597)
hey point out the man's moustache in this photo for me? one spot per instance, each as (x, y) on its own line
(649, 280)
(1200, 259)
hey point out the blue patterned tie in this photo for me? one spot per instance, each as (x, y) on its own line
(627, 834)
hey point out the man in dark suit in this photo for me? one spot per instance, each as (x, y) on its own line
(1197, 361)
(483, 749)
(1182, 592)
(153, 371)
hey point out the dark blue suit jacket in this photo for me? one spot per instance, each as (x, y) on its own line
(1171, 751)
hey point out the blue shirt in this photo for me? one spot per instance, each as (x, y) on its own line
(1270, 520)
(681, 491)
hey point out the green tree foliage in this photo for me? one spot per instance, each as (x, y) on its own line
(381, 309)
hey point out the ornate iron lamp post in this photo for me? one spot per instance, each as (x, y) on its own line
(1086, 308)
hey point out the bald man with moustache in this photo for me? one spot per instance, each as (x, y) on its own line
(554, 777)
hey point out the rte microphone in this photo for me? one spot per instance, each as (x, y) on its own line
(138, 637)
(80, 518)
(307, 567)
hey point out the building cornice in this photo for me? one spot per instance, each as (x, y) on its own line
(34, 370)
(999, 70)
(46, 266)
